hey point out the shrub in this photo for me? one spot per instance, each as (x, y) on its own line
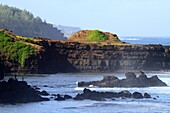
(15, 51)
(97, 35)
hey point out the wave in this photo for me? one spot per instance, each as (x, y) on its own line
(130, 39)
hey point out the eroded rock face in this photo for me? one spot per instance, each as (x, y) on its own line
(131, 80)
(15, 91)
(74, 56)
(111, 58)
(99, 96)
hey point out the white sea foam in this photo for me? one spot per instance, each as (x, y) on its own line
(130, 39)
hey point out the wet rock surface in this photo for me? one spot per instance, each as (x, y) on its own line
(14, 91)
(61, 98)
(131, 80)
(99, 96)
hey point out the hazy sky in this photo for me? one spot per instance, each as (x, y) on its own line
(124, 17)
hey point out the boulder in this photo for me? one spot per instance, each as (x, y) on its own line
(137, 95)
(14, 91)
(59, 98)
(146, 95)
(67, 97)
(44, 93)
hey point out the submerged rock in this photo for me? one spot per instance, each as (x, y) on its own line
(61, 98)
(99, 96)
(14, 91)
(131, 80)
(44, 93)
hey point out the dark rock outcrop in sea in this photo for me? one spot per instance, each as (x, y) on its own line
(14, 91)
(99, 96)
(131, 80)
(61, 98)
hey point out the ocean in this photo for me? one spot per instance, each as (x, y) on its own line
(147, 40)
(66, 84)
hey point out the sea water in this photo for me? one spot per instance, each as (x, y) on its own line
(66, 84)
(147, 40)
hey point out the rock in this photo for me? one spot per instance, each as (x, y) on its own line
(54, 95)
(146, 95)
(67, 97)
(125, 94)
(59, 98)
(131, 80)
(137, 95)
(154, 80)
(88, 94)
(44, 93)
(45, 86)
(109, 78)
(77, 56)
(99, 96)
(14, 91)
(1, 76)
(130, 75)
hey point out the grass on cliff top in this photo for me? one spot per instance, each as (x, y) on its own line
(25, 39)
(97, 35)
(13, 50)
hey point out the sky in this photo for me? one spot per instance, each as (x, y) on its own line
(141, 18)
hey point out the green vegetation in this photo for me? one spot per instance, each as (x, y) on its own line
(25, 39)
(23, 23)
(15, 51)
(97, 35)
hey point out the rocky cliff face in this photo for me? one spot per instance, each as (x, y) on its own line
(95, 58)
(77, 57)
(72, 56)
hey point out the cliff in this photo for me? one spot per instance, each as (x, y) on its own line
(107, 58)
(52, 56)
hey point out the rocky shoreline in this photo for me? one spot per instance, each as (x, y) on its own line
(14, 91)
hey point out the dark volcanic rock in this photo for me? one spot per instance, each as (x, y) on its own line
(131, 80)
(154, 80)
(44, 93)
(137, 95)
(59, 98)
(99, 96)
(15, 91)
(146, 95)
(68, 97)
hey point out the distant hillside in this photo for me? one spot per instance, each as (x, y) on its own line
(67, 30)
(24, 23)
